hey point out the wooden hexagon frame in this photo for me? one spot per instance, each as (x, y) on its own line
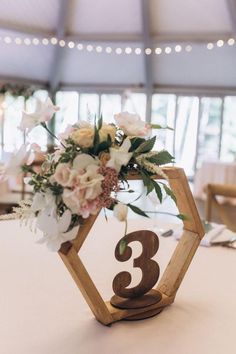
(174, 272)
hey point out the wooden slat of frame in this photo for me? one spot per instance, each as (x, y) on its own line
(86, 286)
(84, 231)
(186, 203)
(171, 172)
(179, 263)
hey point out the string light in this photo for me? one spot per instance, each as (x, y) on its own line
(54, 41)
(35, 41)
(117, 50)
(108, 50)
(45, 41)
(178, 48)
(231, 41)
(27, 41)
(7, 40)
(80, 46)
(158, 51)
(188, 48)
(210, 46)
(62, 43)
(71, 44)
(148, 51)
(168, 50)
(128, 50)
(99, 49)
(89, 48)
(18, 40)
(220, 43)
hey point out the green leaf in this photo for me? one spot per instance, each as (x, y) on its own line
(161, 158)
(104, 145)
(183, 217)
(136, 210)
(96, 139)
(157, 190)
(135, 143)
(122, 246)
(158, 126)
(146, 146)
(147, 181)
(169, 192)
(100, 121)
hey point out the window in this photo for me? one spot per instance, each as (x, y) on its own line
(12, 137)
(209, 129)
(38, 134)
(69, 110)
(186, 133)
(228, 145)
(89, 106)
(110, 105)
(134, 103)
(163, 113)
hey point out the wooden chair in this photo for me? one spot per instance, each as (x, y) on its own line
(220, 190)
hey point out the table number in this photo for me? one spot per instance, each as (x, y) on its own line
(145, 299)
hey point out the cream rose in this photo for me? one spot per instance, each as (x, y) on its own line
(83, 137)
(132, 125)
(107, 129)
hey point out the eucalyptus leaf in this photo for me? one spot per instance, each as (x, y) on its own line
(158, 190)
(136, 210)
(161, 158)
(146, 146)
(169, 192)
(100, 121)
(147, 181)
(135, 143)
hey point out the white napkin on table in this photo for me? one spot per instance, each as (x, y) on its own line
(212, 235)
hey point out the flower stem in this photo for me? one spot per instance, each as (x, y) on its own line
(50, 133)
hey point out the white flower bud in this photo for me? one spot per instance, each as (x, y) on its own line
(120, 211)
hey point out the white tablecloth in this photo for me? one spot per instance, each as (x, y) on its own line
(43, 312)
(213, 172)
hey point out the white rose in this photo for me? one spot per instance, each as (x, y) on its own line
(120, 211)
(132, 125)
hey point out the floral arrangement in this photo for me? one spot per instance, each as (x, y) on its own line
(86, 172)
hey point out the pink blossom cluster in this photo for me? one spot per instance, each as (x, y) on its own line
(110, 184)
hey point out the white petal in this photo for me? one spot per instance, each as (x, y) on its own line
(71, 235)
(126, 145)
(38, 203)
(64, 221)
(47, 223)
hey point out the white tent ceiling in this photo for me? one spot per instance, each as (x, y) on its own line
(119, 23)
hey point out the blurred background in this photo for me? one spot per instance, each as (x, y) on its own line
(170, 61)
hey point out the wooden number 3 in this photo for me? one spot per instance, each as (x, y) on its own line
(150, 269)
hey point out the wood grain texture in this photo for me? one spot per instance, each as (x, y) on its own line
(186, 203)
(221, 190)
(179, 263)
(86, 286)
(150, 269)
